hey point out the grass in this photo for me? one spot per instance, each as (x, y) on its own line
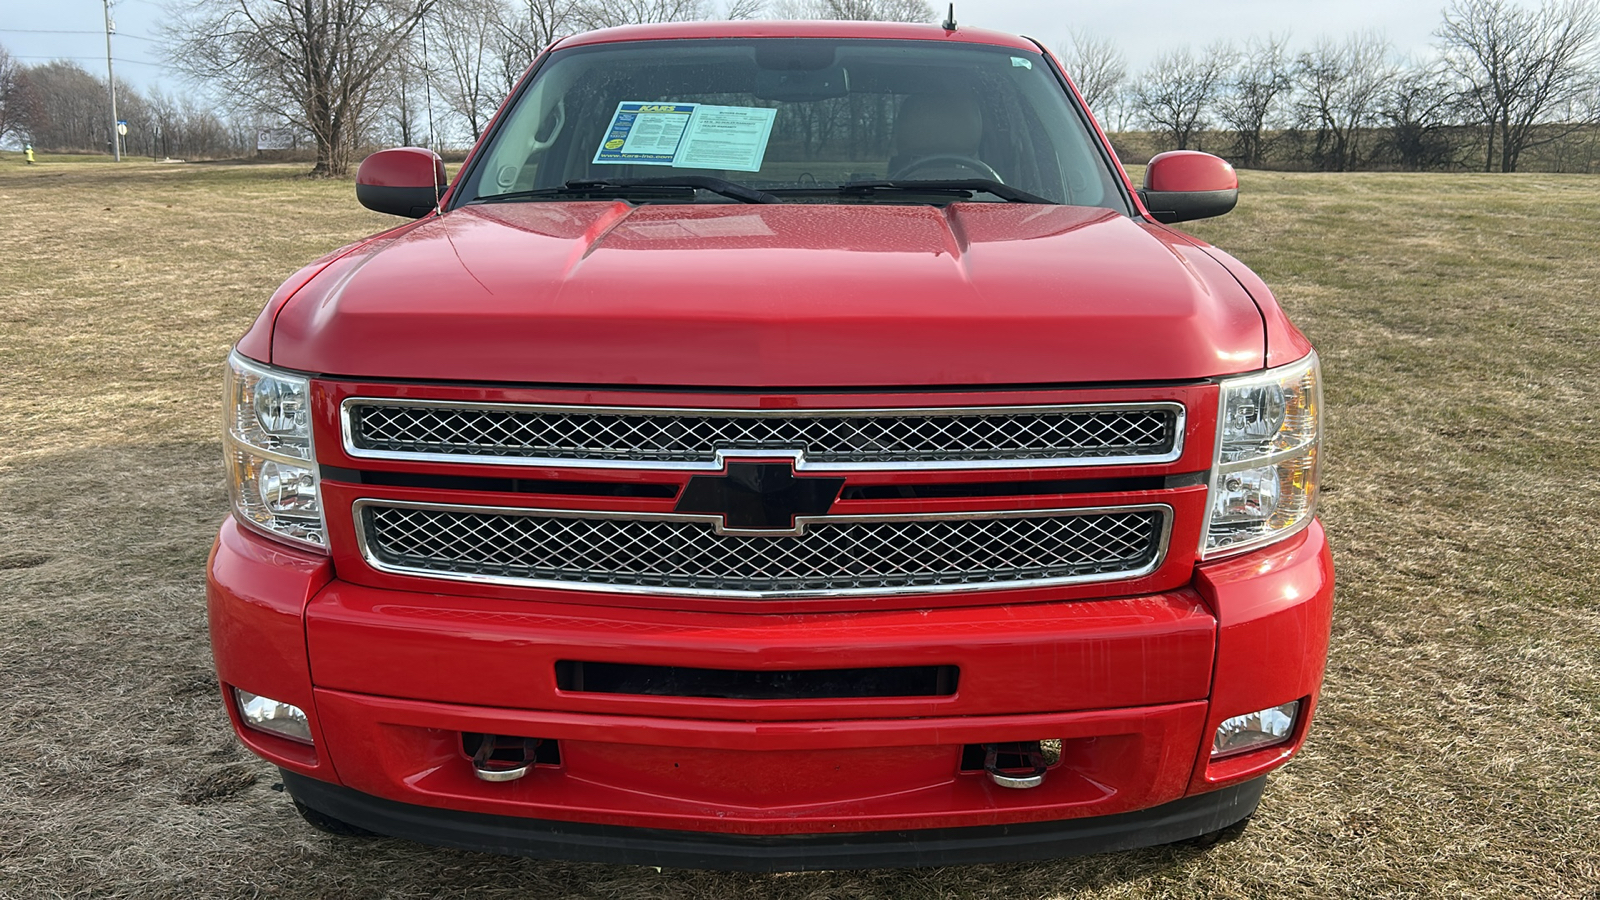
(1455, 753)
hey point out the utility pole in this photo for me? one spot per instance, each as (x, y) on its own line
(111, 82)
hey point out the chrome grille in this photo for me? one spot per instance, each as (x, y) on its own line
(699, 438)
(672, 554)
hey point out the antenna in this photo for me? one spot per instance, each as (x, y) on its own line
(427, 81)
(950, 20)
(433, 138)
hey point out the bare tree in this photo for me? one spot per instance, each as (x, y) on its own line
(466, 44)
(609, 13)
(182, 128)
(1579, 149)
(10, 96)
(1521, 66)
(1340, 87)
(527, 27)
(1177, 94)
(1421, 108)
(1098, 68)
(404, 100)
(61, 106)
(855, 10)
(1255, 94)
(315, 63)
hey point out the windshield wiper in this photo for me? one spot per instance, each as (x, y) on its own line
(670, 186)
(966, 187)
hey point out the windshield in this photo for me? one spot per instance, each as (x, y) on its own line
(793, 120)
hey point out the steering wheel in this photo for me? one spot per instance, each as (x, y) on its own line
(947, 161)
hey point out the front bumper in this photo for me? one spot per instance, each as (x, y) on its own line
(1133, 687)
(1176, 821)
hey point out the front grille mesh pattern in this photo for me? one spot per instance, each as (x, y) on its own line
(692, 437)
(829, 557)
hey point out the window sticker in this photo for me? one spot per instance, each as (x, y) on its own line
(645, 134)
(727, 137)
(687, 136)
(1018, 62)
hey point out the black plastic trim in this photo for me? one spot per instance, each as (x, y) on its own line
(410, 202)
(1171, 207)
(1049, 488)
(499, 485)
(582, 677)
(1179, 820)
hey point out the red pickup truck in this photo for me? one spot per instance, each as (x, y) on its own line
(782, 446)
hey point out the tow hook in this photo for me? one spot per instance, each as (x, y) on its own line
(1018, 764)
(501, 758)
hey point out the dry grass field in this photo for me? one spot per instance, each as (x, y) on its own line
(1456, 753)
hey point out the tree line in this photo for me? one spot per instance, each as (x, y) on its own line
(60, 106)
(1508, 85)
(352, 72)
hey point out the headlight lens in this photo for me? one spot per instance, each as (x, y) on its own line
(272, 471)
(1264, 477)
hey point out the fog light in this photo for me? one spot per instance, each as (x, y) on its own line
(273, 717)
(1260, 729)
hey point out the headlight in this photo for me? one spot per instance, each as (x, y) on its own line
(1264, 476)
(272, 469)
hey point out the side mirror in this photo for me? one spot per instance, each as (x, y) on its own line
(1181, 185)
(403, 182)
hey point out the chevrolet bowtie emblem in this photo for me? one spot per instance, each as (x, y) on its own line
(759, 496)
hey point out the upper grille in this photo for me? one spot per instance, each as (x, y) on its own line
(698, 438)
(670, 554)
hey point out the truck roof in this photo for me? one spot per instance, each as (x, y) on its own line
(890, 31)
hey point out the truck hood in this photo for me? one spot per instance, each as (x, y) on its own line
(781, 296)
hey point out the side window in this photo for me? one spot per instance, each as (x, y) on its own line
(539, 122)
(1070, 166)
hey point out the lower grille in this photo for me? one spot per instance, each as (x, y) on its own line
(833, 556)
(805, 684)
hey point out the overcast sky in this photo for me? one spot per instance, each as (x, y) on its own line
(1141, 29)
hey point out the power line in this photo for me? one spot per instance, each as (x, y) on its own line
(132, 62)
(120, 34)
